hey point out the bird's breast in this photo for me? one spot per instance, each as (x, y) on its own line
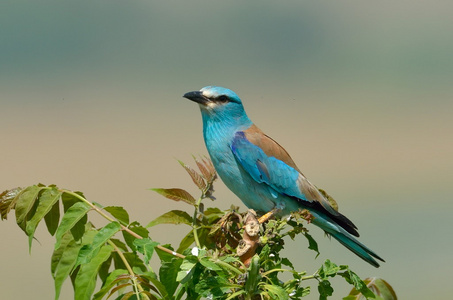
(254, 195)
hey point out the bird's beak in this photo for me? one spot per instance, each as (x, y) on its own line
(196, 96)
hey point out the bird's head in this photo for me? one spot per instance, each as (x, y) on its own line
(219, 103)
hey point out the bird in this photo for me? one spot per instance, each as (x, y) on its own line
(261, 172)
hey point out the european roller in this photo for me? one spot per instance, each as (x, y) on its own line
(260, 171)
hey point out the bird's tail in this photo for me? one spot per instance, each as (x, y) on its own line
(358, 248)
(346, 239)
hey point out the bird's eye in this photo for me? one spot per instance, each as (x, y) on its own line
(222, 98)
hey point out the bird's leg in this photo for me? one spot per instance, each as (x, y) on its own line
(280, 205)
(268, 215)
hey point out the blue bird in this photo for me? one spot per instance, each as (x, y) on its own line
(261, 173)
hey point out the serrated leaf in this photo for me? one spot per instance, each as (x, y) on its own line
(212, 172)
(25, 203)
(72, 216)
(85, 281)
(8, 200)
(288, 263)
(206, 168)
(46, 202)
(138, 229)
(196, 178)
(213, 287)
(325, 289)
(118, 213)
(172, 217)
(328, 269)
(146, 247)
(276, 292)
(312, 244)
(176, 195)
(104, 234)
(204, 171)
(359, 285)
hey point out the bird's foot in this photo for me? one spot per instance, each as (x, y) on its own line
(268, 215)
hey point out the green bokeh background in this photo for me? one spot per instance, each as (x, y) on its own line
(360, 94)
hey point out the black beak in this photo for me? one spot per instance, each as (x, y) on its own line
(196, 96)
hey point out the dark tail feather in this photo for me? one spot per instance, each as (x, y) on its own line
(358, 248)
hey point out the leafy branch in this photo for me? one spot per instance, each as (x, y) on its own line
(208, 263)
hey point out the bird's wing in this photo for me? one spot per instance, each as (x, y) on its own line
(268, 162)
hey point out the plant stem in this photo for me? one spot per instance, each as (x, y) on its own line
(137, 286)
(98, 210)
(194, 222)
(314, 276)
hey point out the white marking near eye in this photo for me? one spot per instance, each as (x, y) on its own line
(207, 93)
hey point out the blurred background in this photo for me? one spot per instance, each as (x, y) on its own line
(360, 94)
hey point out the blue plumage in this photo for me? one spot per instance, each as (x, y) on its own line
(261, 173)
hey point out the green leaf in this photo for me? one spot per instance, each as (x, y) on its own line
(163, 255)
(324, 289)
(172, 217)
(168, 273)
(328, 269)
(186, 268)
(46, 202)
(146, 247)
(122, 246)
(118, 213)
(85, 281)
(65, 257)
(104, 234)
(210, 265)
(138, 229)
(176, 195)
(188, 240)
(53, 218)
(359, 285)
(109, 283)
(312, 244)
(69, 199)
(158, 286)
(276, 292)
(72, 216)
(213, 287)
(25, 203)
